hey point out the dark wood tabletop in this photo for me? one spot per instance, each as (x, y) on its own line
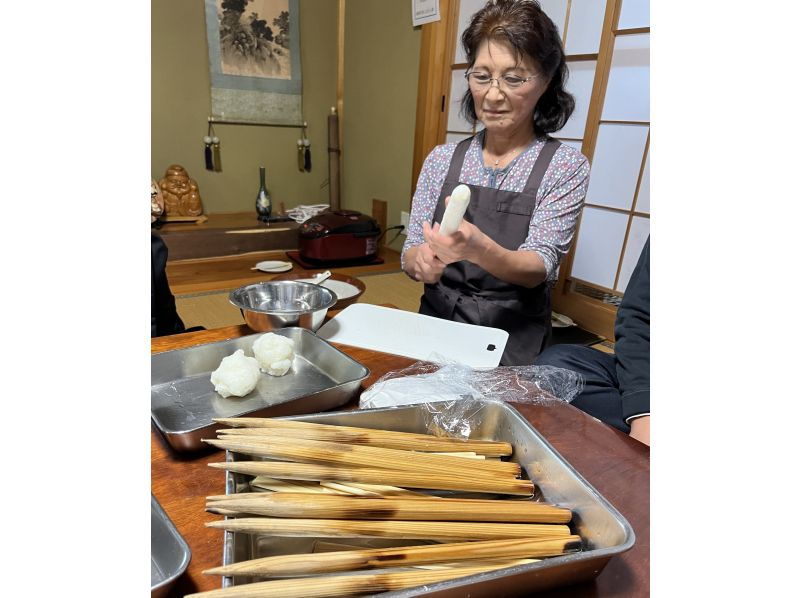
(616, 465)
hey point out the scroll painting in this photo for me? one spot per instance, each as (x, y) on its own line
(254, 56)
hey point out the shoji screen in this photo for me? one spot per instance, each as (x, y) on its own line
(616, 220)
(616, 138)
(457, 127)
(607, 44)
(581, 25)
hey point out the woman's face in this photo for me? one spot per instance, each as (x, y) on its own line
(501, 109)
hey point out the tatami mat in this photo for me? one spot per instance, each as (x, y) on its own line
(212, 309)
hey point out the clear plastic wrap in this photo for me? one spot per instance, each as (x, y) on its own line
(453, 392)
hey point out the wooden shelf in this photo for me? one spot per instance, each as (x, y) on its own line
(202, 275)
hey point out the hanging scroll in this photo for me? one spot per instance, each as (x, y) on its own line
(254, 57)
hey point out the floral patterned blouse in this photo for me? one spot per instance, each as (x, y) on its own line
(558, 202)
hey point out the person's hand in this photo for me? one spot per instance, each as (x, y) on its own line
(467, 243)
(427, 266)
(640, 429)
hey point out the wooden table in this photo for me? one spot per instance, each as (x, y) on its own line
(617, 466)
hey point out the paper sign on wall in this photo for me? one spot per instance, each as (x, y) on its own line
(424, 11)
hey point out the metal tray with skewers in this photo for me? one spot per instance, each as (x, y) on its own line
(333, 510)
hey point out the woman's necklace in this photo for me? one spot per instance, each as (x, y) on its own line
(509, 154)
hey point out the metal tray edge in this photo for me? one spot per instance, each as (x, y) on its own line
(163, 586)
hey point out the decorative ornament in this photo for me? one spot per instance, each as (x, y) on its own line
(217, 158)
(301, 163)
(181, 193)
(307, 150)
(212, 152)
(209, 161)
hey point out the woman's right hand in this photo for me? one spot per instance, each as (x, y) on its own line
(426, 266)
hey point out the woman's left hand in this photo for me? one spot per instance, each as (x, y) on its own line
(467, 243)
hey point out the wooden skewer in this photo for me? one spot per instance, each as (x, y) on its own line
(403, 479)
(321, 546)
(365, 456)
(462, 455)
(481, 563)
(438, 448)
(283, 486)
(343, 585)
(350, 560)
(385, 438)
(226, 512)
(332, 506)
(480, 466)
(350, 489)
(419, 530)
(376, 490)
(266, 433)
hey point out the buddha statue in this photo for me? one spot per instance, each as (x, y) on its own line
(181, 194)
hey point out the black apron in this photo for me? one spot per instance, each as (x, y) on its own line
(467, 293)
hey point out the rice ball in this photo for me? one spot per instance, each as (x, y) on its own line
(274, 353)
(237, 375)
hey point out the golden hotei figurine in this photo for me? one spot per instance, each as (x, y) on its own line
(181, 193)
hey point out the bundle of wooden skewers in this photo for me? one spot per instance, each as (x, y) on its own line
(324, 481)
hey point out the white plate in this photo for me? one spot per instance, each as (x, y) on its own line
(343, 290)
(560, 320)
(274, 266)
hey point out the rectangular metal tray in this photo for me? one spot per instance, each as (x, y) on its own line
(169, 553)
(183, 401)
(604, 531)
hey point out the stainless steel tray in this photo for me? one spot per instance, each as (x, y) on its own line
(169, 553)
(604, 531)
(183, 401)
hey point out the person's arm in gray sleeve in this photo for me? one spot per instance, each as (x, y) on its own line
(632, 346)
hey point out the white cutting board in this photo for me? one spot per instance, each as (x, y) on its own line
(413, 335)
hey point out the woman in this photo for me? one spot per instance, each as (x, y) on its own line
(527, 189)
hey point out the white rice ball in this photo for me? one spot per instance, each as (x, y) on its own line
(274, 353)
(237, 375)
(279, 368)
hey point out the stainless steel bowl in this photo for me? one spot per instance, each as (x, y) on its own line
(277, 304)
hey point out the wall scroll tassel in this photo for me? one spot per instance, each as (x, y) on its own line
(300, 160)
(217, 157)
(209, 162)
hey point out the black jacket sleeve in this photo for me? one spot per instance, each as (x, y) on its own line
(632, 333)
(164, 317)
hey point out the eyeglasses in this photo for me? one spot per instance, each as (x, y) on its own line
(479, 80)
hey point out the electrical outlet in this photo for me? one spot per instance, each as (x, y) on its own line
(404, 221)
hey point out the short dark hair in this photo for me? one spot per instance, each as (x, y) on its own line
(524, 25)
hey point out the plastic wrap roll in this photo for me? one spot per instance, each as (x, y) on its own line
(333, 158)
